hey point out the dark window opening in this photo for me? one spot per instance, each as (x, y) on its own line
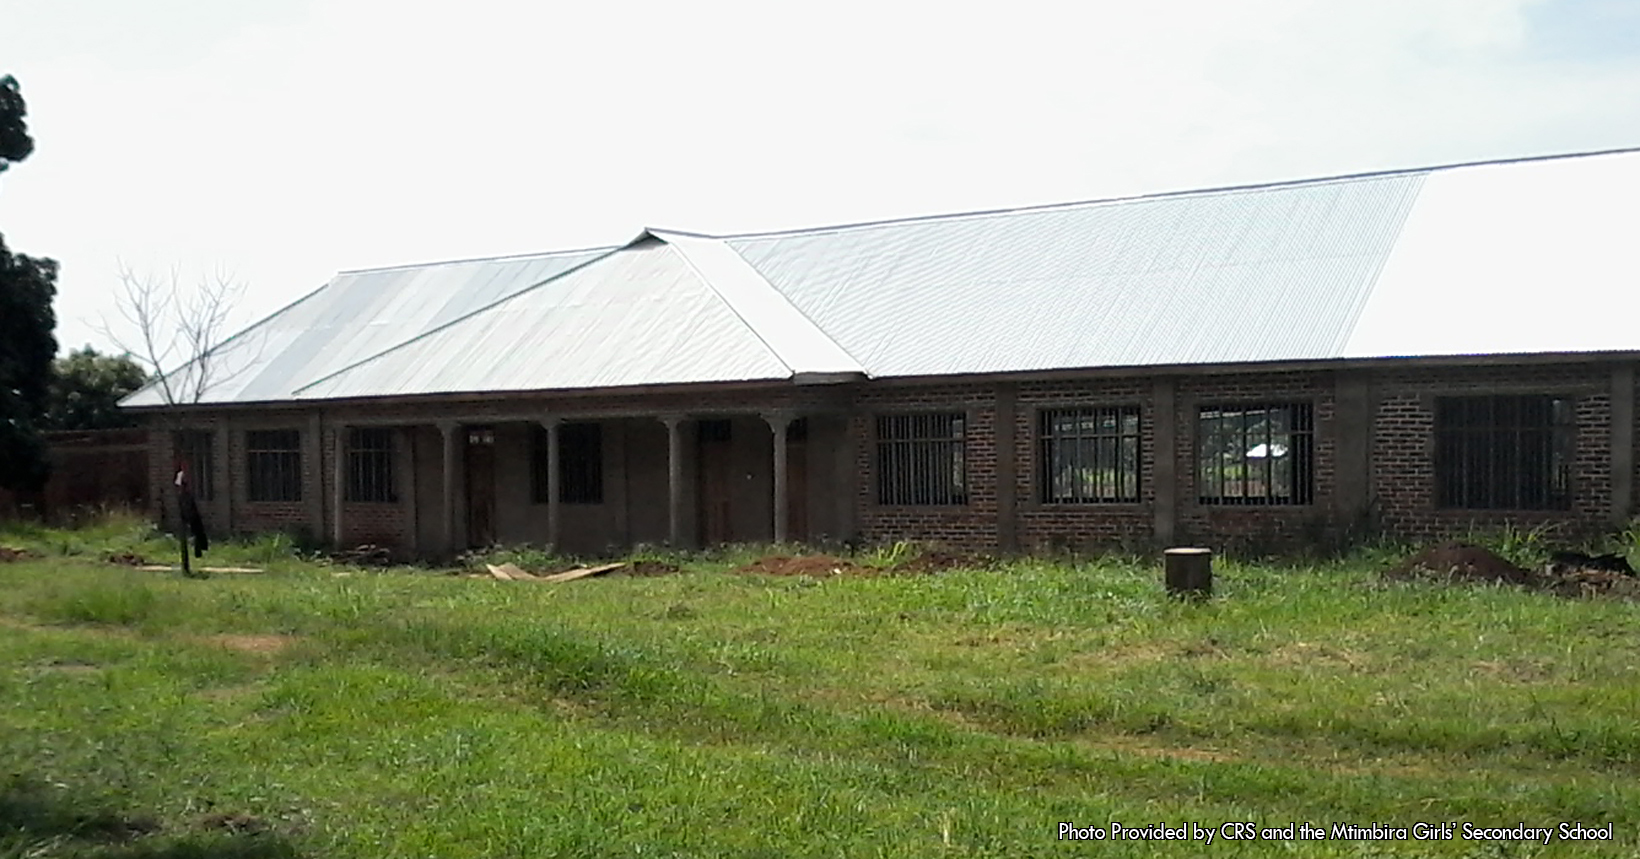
(370, 464)
(921, 459)
(580, 464)
(1260, 454)
(797, 430)
(1509, 452)
(715, 429)
(1089, 456)
(273, 465)
(197, 456)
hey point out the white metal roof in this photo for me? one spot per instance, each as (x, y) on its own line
(1503, 258)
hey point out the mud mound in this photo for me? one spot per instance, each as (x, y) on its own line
(805, 565)
(1568, 574)
(650, 568)
(1460, 562)
(939, 562)
(9, 554)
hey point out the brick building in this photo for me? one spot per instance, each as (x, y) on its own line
(1415, 352)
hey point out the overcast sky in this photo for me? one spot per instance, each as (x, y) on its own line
(286, 140)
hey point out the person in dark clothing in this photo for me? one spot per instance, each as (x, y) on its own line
(190, 513)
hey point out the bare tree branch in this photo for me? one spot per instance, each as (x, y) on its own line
(178, 333)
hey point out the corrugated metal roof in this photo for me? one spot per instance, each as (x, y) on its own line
(798, 342)
(1516, 257)
(1218, 277)
(1536, 256)
(360, 314)
(643, 316)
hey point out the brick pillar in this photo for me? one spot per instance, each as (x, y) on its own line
(1165, 471)
(1622, 430)
(1352, 446)
(1007, 396)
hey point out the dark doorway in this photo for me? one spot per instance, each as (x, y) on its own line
(716, 465)
(797, 481)
(480, 486)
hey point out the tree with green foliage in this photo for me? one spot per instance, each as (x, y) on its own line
(27, 345)
(87, 388)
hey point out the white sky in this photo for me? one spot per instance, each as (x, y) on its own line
(286, 140)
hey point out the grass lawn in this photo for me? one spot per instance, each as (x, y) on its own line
(320, 711)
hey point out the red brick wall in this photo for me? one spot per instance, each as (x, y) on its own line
(1400, 477)
(1403, 447)
(969, 526)
(1044, 526)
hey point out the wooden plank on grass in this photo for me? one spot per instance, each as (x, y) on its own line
(582, 572)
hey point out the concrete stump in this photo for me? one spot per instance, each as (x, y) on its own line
(1189, 572)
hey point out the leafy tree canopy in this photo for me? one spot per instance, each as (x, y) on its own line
(27, 346)
(87, 388)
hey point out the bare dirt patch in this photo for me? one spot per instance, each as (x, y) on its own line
(265, 644)
(819, 566)
(650, 568)
(1568, 574)
(8, 554)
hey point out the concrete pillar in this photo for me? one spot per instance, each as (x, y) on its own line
(452, 435)
(1623, 452)
(1007, 468)
(674, 480)
(778, 422)
(1165, 471)
(555, 479)
(338, 480)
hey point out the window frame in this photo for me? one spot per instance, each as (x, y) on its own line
(264, 459)
(1053, 442)
(1298, 436)
(580, 478)
(369, 468)
(1476, 443)
(907, 447)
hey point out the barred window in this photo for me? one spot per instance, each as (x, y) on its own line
(370, 464)
(1089, 456)
(198, 458)
(1504, 452)
(1257, 454)
(921, 460)
(273, 465)
(580, 464)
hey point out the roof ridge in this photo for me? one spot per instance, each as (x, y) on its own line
(1164, 195)
(496, 258)
(781, 304)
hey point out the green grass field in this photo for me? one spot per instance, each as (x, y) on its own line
(322, 711)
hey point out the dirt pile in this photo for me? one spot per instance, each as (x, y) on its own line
(1459, 562)
(127, 559)
(818, 566)
(9, 554)
(651, 568)
(1570, 574)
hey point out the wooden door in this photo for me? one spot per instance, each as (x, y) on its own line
(715, 458)
(480, 487)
